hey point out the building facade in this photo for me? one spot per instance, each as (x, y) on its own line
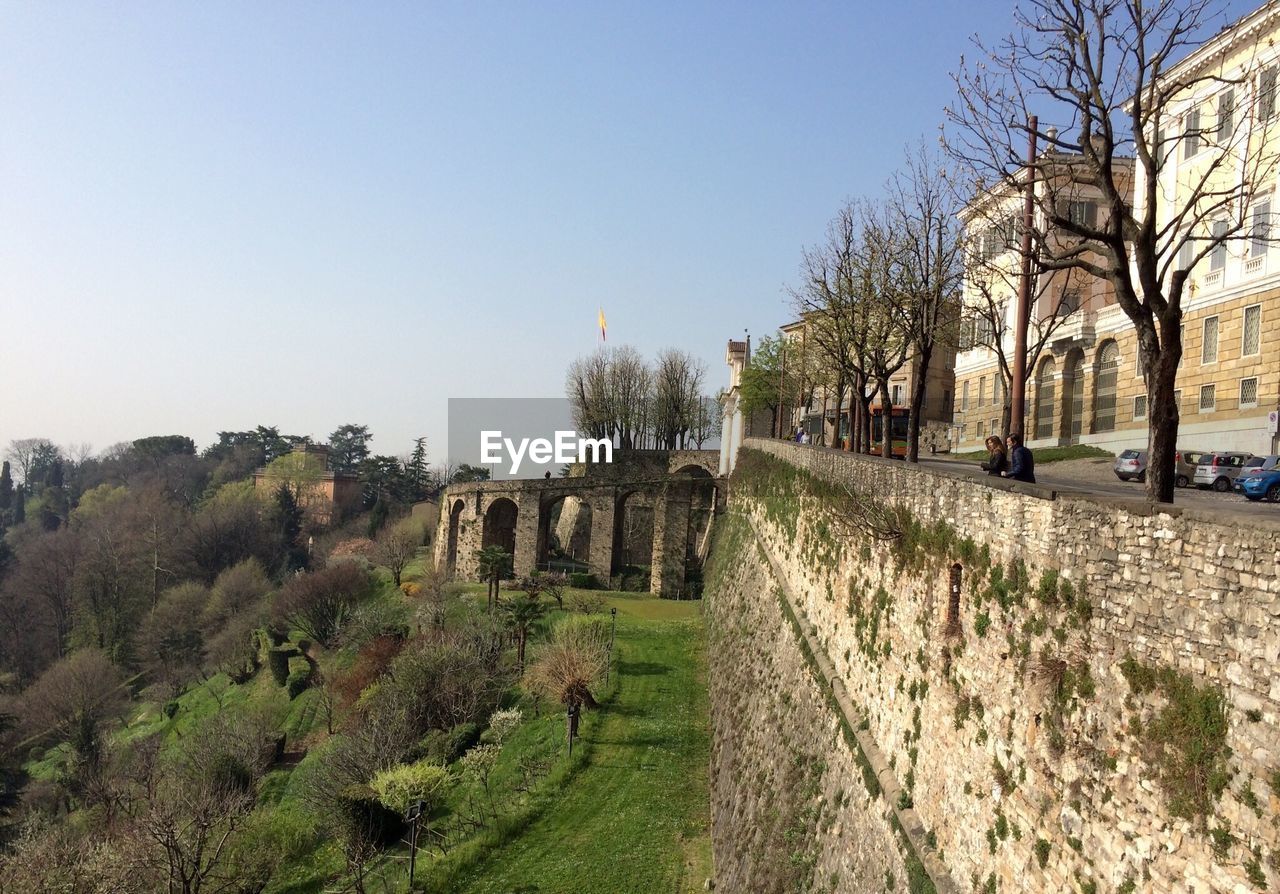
(1086, 384)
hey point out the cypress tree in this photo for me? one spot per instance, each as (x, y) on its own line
(6, 487)
(20, 508)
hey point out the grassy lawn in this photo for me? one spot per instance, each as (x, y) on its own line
(634, 817)
(1049, 454)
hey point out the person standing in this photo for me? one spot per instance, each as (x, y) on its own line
(1022, 465)
(997, 463)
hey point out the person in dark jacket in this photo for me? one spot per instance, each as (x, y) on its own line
(1022, 465)
(997, 463)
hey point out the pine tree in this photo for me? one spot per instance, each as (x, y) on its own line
(290, 528)
(20, 508)
(378, 516)
(417, 467)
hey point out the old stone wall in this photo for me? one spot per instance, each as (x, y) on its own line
(1095, 711)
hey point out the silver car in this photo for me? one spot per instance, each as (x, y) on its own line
(1131, 465)
(1219, 470)
(1185, 462)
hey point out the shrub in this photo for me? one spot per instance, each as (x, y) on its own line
(318, 602)
(587, 603)
(402, 786)
(228, 774)
(299, 676)
(581, 580)
(278, 660)
(170, 709)
(504, 723)
(362, 818)
(1042, 852)
(371, 663)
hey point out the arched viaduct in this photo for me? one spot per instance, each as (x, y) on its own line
(648, 511)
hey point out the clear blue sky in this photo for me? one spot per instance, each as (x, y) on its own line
(304, 214)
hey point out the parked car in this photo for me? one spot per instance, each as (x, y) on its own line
(1260, 484)
(1131, 464)
(1218, 470)
(1185, 462)
(1260, 463)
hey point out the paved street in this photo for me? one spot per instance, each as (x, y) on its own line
(1095, 476)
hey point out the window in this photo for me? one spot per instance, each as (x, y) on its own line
(982, 391)
(1226, 113)
(1140, 407)
(895, 395)
(995, 426)
(1209, 346)
(1191, 133)
(1218, 257)
(1075, 380)
(1251, 340)
(1208, 398)
(1046, 407)
(1070, 302)
(1261, 234)
(982, 331)
(1083, 213)
(946, 403)
(1186, 253)
(1104, 391)
(1267, 94)
(964, 397)
(1177, 398)
(1249, 392)
(979, 429)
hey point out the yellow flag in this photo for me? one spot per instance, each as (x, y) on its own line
(602, 327)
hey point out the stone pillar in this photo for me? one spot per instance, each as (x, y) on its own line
(670, 539)
(601, 558)
(526, 552)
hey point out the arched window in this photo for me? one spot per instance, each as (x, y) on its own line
(1074, 385)
(1045, 405)
(1104, 392)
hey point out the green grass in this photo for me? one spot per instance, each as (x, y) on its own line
(1045, 455)
(634, 815)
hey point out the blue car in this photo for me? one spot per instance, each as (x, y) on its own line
(1259, 484)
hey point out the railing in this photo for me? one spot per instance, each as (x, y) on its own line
(1255, 265)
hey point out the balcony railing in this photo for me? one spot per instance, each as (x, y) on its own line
(1253, 266)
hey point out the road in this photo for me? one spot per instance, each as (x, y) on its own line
(1094, 476)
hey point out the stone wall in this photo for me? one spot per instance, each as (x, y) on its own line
(1099, 712)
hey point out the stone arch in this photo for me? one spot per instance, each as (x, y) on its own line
(500, 525)
(1046, 409)
(702, 498)
(633, 530)
(455, 521)
(1106, 377)
(564, 534)
(1073, 396)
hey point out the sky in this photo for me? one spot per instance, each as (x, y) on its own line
(220, 215)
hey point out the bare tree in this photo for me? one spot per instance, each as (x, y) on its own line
(1103, 80)
(397, 546)
(23, 452)
(922, 214)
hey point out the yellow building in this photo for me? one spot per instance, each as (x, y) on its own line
(1087, 386)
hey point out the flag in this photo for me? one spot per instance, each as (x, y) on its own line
(602, 327)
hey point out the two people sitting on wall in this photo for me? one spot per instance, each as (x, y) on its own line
(1017, 465)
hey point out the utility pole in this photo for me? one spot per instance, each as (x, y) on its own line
(1017, 396)
(782, 371)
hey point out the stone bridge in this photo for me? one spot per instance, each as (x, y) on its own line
(642, 521)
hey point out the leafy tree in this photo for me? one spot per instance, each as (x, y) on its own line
(20, 507)
(75, 698)
(403, 786)
(157, 447)
(467, 473)
(759, 383)
(378, 516)
(348, 447)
